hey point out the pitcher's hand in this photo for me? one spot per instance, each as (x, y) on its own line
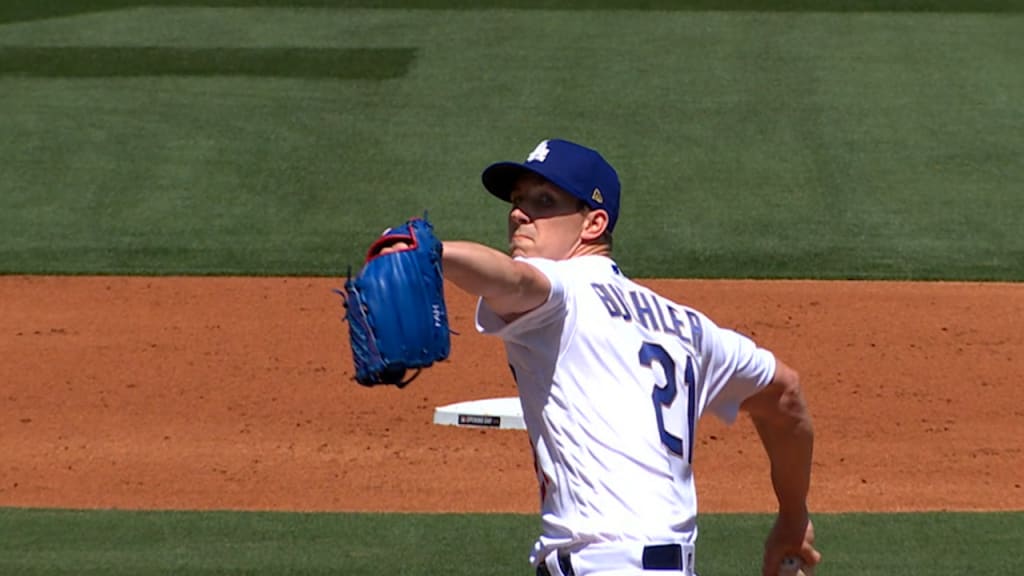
(394, 247)
(791, 535)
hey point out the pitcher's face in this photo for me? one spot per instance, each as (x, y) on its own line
(544, 221)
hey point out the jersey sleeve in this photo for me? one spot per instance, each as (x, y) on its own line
(736, 369)
(553, 309)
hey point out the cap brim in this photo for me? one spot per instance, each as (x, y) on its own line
(500, 178)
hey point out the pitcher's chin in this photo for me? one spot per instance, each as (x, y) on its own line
(518, 245)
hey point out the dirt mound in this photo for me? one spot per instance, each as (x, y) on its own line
(236, 393)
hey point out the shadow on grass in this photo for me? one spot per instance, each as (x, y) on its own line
(26, 10)
(123, 61)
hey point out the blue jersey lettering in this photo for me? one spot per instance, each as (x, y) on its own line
(609, 303)
(649, 310)
(659, 306)
(695, 328)
(622, 300)
(678, 325)
(643, 310)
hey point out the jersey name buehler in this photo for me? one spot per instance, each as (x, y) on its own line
(650, 312)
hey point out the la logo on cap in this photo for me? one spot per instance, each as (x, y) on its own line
(540, 153)
(597, 196)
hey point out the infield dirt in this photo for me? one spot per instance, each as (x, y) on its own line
(237, 393)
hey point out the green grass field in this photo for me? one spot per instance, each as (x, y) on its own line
(232, 137)
(868, 139)
(143, 543)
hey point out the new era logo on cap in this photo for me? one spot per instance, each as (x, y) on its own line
(580, 171)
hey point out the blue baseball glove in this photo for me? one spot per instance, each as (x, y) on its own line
(397, 319)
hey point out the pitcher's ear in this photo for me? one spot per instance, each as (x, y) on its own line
(595, 223)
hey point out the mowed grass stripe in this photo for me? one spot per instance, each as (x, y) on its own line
(108, 542)
(25, 10)
(124, 61)
(749, 144)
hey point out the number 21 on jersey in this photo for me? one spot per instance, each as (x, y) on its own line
(674, 432)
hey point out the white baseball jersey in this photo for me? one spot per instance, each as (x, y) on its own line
(613, 378)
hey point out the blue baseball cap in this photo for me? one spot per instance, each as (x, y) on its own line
(580, 171)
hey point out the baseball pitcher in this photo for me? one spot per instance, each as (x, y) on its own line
(613, 378)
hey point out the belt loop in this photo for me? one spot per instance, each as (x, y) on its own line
(557, 563)
(551, 564)
(565, 563)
